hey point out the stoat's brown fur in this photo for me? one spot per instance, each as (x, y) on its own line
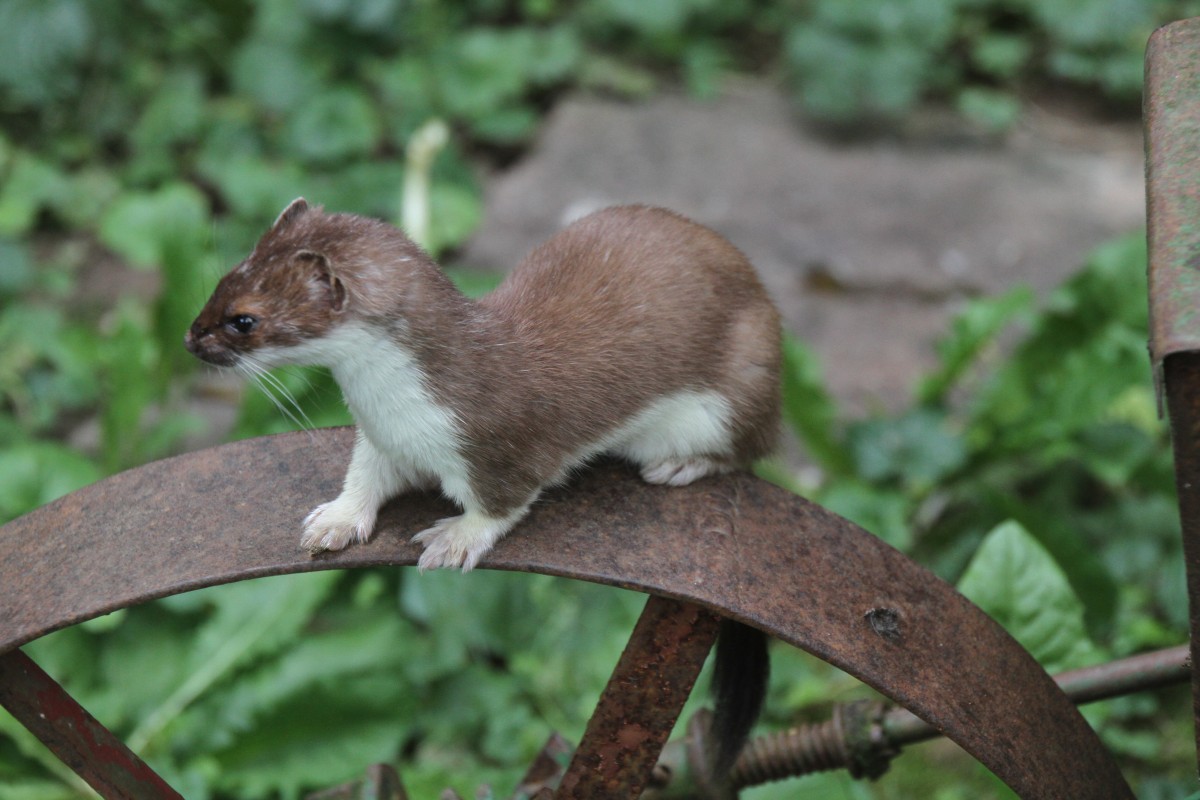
(633, 330)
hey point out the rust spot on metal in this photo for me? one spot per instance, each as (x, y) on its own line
(885, 622)
(638, 708)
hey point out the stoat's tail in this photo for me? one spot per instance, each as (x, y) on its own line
(739, 685)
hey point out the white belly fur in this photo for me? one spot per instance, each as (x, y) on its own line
(682, 425)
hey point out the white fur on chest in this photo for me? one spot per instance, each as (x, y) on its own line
(385, 388)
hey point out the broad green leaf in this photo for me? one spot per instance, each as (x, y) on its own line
(251, 620)
(359, 645)
(1016, 581)
(140, 226)
(317, 744)
(455, 212)
(474, 283)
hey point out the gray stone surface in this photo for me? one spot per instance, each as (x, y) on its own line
(868, 248)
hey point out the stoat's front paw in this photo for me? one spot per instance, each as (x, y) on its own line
(459, 541)
(336, 525)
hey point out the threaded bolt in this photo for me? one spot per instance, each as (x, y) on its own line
(796, 751)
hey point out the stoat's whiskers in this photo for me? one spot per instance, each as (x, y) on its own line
(275, 390)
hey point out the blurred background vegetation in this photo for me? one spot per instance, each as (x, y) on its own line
(144, 146)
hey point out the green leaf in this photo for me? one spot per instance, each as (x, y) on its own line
(38, 472)
(650, 19)
(1081, 356)
(1002, 55)
(809, 408)
(140, 226)
(42, 41)
(320, 743)
(1016, 581)
(918, 448)
(129, 359)
(174, 114)
(30, 185)
(972, 331)
(995, 110)
(455, 212)
(277, 75)
(882, 512)
(335, 125)
(254, 188)
(342, 650)
(251, 620)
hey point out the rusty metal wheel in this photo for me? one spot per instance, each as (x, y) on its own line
(733, 547)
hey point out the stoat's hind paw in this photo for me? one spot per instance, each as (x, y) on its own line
(460, 541)
(682, 472)
(335, 526)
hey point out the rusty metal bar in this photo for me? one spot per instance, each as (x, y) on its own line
(642, 701)
(75, 736)
(1172, 123)
(1182, 381)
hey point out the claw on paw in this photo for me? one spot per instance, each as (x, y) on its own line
(333, 527)
(460, 542)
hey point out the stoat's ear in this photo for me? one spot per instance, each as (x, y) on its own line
(323, 276)
(289, 215)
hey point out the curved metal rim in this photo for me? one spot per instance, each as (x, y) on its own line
(736, 545)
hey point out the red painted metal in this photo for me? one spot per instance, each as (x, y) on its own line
(75, 736)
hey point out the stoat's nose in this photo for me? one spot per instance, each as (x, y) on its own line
(191, 339)
(203, 345)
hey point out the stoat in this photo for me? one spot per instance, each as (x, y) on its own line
(633, 331)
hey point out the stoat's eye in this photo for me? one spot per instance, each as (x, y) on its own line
(241, 323)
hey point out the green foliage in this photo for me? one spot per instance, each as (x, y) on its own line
(1032, 467)
(1061, 435)
(852, 60)
(1015, 580)
(151, 142)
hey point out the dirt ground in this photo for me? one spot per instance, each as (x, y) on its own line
(867, 247)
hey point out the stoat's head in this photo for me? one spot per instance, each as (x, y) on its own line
(309, 274)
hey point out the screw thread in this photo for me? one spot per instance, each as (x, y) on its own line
(785, 754)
